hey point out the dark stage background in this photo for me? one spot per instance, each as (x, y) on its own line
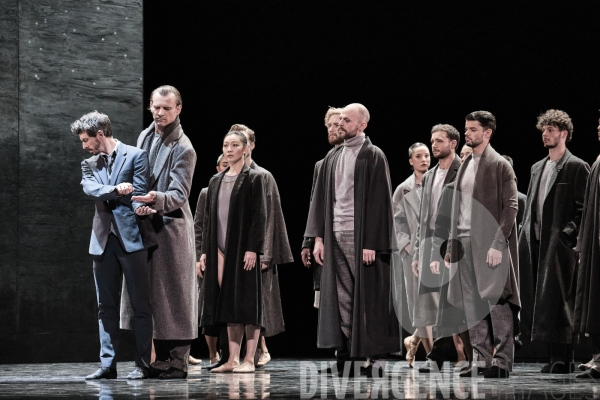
(276, 67)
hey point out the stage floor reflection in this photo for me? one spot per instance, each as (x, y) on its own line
(288, 378)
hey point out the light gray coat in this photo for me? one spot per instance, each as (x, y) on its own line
(406, 201)
(173, 264)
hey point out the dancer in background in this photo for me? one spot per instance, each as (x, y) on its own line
(332, 123)
(547, 258)
(406, 203)
(232, 241)
(210, 334)
(277, 251)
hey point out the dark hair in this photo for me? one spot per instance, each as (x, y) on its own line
(485, 118)
(413, 147)
(509, 159)
(164, 90)
(91, 123)
(451, 132)
(557, 118)
(244, 129)
(240, 134)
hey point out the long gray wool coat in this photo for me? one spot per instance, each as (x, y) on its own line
(173, 264)
(548, 288)
(277, 251)
(406, 201)
(375, 328)
(493, 217)
(425, 313)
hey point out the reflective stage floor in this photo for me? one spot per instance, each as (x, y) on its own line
(288, 378)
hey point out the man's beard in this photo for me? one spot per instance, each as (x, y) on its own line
(348, 135)
(550, 145)
(334, 140)
(442, 154)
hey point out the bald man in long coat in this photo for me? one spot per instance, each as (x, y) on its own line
(351, 219)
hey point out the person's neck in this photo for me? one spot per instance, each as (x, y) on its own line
(236, 167)
(557, 152)
(109, 145)
(418, 177)
(446, 162)
(479, 149)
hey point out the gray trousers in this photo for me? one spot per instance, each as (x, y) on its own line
(490, 325)
(345, 268)
(172, 354)
(109, 268)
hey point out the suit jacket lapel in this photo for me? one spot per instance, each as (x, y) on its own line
(119, 161)
(99, 170)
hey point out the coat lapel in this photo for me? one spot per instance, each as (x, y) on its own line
(411, 195)
(536, 175)
(452, 171)
(166, 146)
(559, 167)
(119, 161)
(99, 170)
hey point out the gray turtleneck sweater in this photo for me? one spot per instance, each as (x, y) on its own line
(343, 209)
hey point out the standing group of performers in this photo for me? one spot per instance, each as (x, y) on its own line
(455, 255)
(151, 258)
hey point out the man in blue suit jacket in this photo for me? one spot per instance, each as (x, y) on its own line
(120, 239)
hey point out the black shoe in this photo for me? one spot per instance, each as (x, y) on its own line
(173, 373)
(591, 373)
(496, 372)
(558, 367)
(430, 366)
(468, 373)
(138, 373)
(103, 373)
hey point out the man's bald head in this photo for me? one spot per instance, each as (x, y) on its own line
(363, 113)
(353, 120)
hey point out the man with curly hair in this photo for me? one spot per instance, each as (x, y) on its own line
(546, 243)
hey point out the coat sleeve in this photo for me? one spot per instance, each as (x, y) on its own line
(510, 207)
(199, 222)
(181, 175)
(141, 177)
(205, 221)
(271, 197)
(92, 188)
(571, 229)
(379, 221)
(417, 244)
(309, 242)
(400, 221)
(315, 225)
(259, 216)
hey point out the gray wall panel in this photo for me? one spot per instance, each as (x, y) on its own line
(9, 156)
(71, 57)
